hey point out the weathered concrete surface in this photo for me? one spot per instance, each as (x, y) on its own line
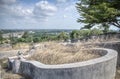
(99, 68)
(112, 45)
(14, 62)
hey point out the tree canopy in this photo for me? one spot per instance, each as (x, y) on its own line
(80, 34)
(103, 12)
(63, 36)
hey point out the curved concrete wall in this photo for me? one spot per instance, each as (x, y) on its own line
(112, 45)
(99, 68)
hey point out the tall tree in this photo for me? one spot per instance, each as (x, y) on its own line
(104, 12)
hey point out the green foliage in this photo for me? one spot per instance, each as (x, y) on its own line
(63, 36)
(27, 37)
(104, 12)
(26, 34)
(96, 31)
(13, 40)
(79, 34)
(1, 38)
(21, 40)
(36, 39)
(75, 34)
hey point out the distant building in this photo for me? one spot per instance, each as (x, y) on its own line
(31, 32)
(15, 34)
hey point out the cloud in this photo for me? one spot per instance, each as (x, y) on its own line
(7, 2)
(62, 1)
(42, 14)
(17, 12)
(43, 9)
(65, 16)
(20, 11)
(14, 14)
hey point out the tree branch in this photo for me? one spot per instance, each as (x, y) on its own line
(113, 23)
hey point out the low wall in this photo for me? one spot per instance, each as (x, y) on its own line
(103, 67)
(112, 45)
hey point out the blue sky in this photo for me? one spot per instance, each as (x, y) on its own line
(38, 14)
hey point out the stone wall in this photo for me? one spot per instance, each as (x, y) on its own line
(99, 68)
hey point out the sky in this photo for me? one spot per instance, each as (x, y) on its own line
(38, 14)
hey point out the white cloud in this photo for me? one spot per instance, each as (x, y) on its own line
(16, 14)
(7, 2)
(65, 16)
(62, 1)
(44, 9)
(21, 11)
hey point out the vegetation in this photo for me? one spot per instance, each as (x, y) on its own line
(102, 12)
(57, 53)
(4, 72)
(80, 34)
(63, 36)
(39, 36)
(1, 38)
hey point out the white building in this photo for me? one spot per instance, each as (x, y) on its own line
(15, 34)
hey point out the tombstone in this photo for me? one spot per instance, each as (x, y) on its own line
(10, 63)
(16, 66)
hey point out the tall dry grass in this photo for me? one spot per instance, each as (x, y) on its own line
(21, 46)
(15, 47)
(4, 74)
(57, 53)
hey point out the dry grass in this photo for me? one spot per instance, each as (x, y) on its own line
(4, 74)
(16, 47)
(118, 73)
(21, 46)
(5, 48)
(56, 53)
(9, 75)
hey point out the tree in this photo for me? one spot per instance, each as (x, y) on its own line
(13, 40)
(28, 37)
(63, 36)
(75, 34)
(21, 40)
(1, 37)
(25, 35)
(36, 39)
(96, 31)
(80, 34)
(104, 12)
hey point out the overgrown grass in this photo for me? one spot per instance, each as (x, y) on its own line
(4, 73)
(16, 47)
(56, 53)
(21, 46)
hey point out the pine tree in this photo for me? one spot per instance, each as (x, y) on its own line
(103, 12)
